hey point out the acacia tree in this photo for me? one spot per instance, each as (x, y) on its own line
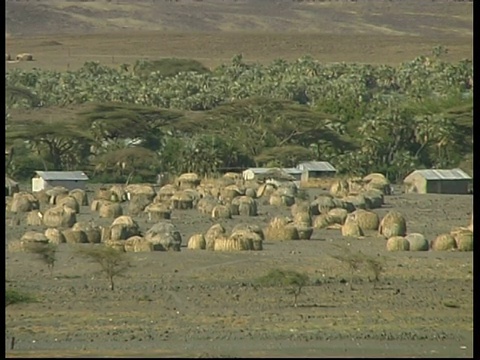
(284, 156)
(254, 108)
(112, 262)
(62, 142)
(114, 121)
(45, 253)
(258, 124)
(18, 96)
(125, 162)
(293, 281)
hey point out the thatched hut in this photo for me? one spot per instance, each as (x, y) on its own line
(24, 202)
(80, 195)
(137, 244)
(59, 216)
(158, 211)
(11, 186)
(24, 57)
(214, 232)
(164, 236)
(123, 227)
(197, 242)
(188, 181)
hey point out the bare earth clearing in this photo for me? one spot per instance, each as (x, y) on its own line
(202, 303)
(198, 302)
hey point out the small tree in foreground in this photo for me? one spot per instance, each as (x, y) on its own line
(13, 297)
(377, 267)
(354, 262)
(46, 253)
(112, 262)
(293, 280)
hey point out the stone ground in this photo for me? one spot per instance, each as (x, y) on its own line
(199, 303)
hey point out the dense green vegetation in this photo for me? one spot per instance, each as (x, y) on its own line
(177, 116)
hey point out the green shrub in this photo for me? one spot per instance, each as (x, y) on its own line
(292, 280)
(168, 67)
(13, 297)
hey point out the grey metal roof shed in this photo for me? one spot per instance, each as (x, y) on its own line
(439, 181)
(316, 169)
(264, 173)
(317, 166)
(69, 179)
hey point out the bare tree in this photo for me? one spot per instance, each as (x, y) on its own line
(46, 253)
(112, 262)
(354, 262)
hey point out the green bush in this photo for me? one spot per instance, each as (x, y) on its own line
(168, 67)
(13, 297)
(292, 280)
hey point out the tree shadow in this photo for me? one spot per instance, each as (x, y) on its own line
(315, 306)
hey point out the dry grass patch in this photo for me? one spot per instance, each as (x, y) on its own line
(320, 183)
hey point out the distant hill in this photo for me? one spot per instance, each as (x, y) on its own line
(394, 17)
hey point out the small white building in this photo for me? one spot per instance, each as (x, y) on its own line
(282, 174)
(44, 180)
(316, 169)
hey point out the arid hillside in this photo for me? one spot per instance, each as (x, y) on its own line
(406, 17)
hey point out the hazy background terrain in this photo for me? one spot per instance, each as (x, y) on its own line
(64, 34)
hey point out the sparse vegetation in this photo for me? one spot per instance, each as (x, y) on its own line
(355, 260)
(112, 262)
(292, 280)
(376, 266)
(168, 67)
(13, 296)
(44, 252)
(352, 261)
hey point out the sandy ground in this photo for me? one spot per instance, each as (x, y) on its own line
(206, 304)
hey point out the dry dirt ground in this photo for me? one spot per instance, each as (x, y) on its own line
(65, 34)
(196, 303)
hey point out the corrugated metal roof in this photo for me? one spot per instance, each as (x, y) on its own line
(259, 170)
(62, 175)
(275, 173)
(267, 170)
(316, 166)
(292, 170)
(442, 174)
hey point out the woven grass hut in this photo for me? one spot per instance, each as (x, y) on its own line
(11, 186)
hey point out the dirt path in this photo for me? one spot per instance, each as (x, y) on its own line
(286, 349)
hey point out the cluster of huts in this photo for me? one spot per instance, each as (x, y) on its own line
(425, 181)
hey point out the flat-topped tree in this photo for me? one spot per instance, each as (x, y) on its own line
(114, 121)
(64, 142)
(112, 262)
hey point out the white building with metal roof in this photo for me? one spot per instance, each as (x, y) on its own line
(316, 169)
(438, 181)
(261, 173)
(44, 180)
